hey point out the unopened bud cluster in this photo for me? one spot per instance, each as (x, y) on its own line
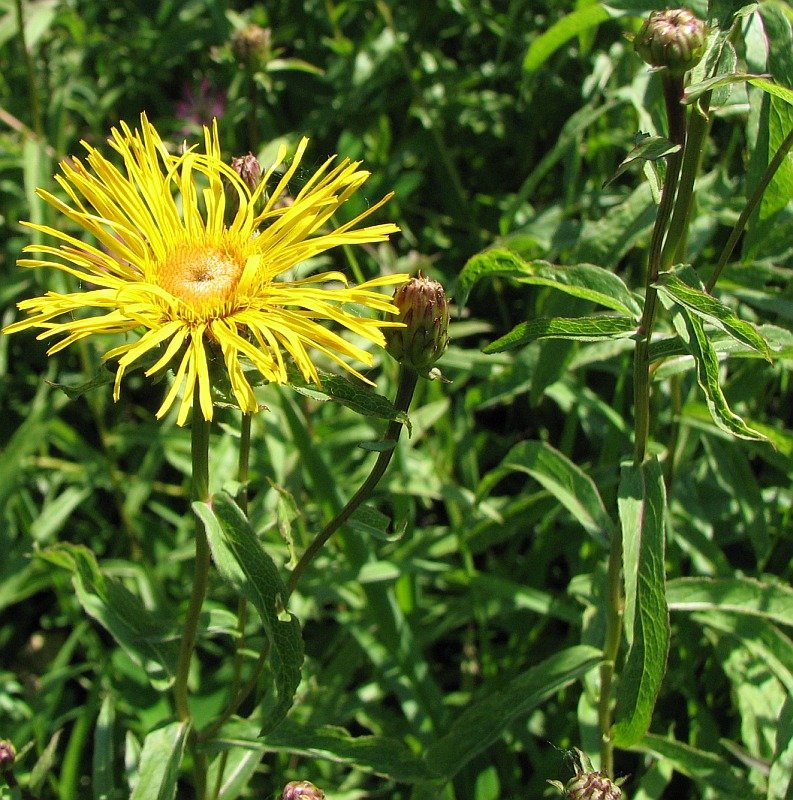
(674, 39)
(425, 313)
(302, 790)
(588, 783)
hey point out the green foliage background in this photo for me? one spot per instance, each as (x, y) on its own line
(460, 658)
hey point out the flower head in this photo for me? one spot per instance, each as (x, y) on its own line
(206, 291)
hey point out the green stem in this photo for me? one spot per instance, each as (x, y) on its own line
(676, 238)
(614, 611)
(200, 491)
(753, 202)
(407, 385)
(673, 93)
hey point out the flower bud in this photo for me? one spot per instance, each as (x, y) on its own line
(674, 39)
(249, 169)
(7, 755)
(252, 44)
(423, 308)
(589, 784)
(302, 790)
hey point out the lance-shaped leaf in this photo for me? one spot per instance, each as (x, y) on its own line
(691, 330)
(354, 395)
(143, 635)
(641, 503)
(586, 281)
(160, 759)
(556, 473)
(649, 148)
(584, 329)
(484, 721)
(709, 308)
(382, 755)
(242, 562)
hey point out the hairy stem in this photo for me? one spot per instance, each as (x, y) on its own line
(407, 385)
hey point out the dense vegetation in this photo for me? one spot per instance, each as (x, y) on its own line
(598, 493)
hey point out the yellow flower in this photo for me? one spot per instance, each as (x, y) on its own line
(167, 262)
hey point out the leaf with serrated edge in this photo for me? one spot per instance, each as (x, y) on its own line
(641, 503)
(691, 330)
(584, 329)
(709, 308)
(243, 564)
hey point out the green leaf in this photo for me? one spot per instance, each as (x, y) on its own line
(709, 308)
(143, 634)
(239, 752)
(641, 502)
(569, 26)
(103, 758)
(568, 483)
(737, 595)
(101, 379)
(780, 776)
(243, 564)
(355, 395)
(371, 522)
(691, 330)
(160, 760)
(649, 148)
(695, 91)
(586, 281)
(707, 769)
(485, 720)
(585, 329)
(382, 755)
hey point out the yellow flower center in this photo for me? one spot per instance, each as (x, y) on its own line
(203, 276)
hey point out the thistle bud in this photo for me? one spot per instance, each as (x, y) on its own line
(674, 39)
(302, 790)
(589, 784)
(423, 308)
(7, 755)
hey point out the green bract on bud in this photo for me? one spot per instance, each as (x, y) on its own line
(7, 754)
(589, 784)
(674, 39)
(302, 790)
(423, 308)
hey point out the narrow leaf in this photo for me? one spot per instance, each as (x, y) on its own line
(586, 281)
(691, 330)
(696, 91)
(780, 776)
(641, 502)
(243, 564)
(355, 395)
(707, 769)
(103, 758)
(649, 148)
(240, 751)
(586, 329)
(568, 483)
(709, 308)
(383, 755)
(738, 595)
(483, 722)
(160, 759)
(146, 638)
(572, 24)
